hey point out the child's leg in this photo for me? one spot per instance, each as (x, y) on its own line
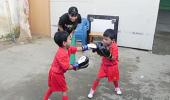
(117, 89)
(47, 94)
(101, 74)
(116, 84)
(65, 97)
(95, 84)
(93, 88)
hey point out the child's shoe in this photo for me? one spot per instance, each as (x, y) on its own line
(118, 91)
(90, 95)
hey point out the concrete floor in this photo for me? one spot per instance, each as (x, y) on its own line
(24, 71)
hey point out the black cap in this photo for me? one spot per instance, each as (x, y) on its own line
(73, 11)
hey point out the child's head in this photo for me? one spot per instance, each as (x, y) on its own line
(62, 39)
(109, 36)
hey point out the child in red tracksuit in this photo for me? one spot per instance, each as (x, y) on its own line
(109, 67)
(60, 64)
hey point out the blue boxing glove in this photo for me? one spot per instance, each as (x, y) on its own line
(75, 66)
(85, 47)
(89, 46)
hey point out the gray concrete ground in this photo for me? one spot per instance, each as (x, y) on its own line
(24, 71)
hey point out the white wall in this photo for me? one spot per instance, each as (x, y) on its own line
(8, 16)
(137, 17)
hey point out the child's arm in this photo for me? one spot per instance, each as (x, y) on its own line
(112, 58)
(73, 67)
(82, 62)
(64, 63)
(70, 67)
(115, 54)
(79, 49)
(87, 47)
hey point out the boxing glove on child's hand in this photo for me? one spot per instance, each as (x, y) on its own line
(99, 47)
(102, 50)
(89, 46)
(107, 54)
(82, 63)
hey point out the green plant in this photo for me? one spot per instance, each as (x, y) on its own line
(15, 33)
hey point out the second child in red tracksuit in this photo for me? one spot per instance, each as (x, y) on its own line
(109, 67)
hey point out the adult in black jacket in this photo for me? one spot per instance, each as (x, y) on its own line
(68, 21)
